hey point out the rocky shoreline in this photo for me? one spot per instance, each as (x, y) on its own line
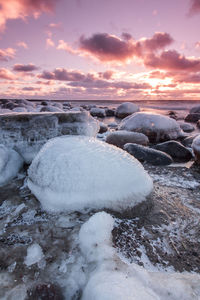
(163, 234)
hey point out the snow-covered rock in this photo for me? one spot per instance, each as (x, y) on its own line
(19, 109)
(121, 137)
(111, 278)
(97, 112)
(155, 126)
(10, 164)
(77, 173)
(51, 108)
(196, 148)
(5, 111)
(126, 109)
(34, 255)
(27, 133)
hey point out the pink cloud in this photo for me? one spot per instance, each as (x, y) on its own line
(24, 68)
(106, 75)
(7, 54)
(22, 44)
(109, 48)
(172, 60)
(14, 9)
(62, 45)
(62, 75)
(6, 74)
(49, 43)
(194, 7)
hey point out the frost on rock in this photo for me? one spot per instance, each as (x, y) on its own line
(126, 109)
(10, 164)
(28, 132)
(155, 126)
(196, 148)
(34, 255)
(111, 278)
(75, 173)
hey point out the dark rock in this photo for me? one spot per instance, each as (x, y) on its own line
(110, 112)
(103, 127)
(186, 127)
(195, 110)
(97, 112)
(176, 150)
(194, 117)
(44, 103)
(122, 137)
(172, 114)
(45, 291)
(152, 156)
(187, 142)
(198, 124)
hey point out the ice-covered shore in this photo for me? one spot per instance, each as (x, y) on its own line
(83, 255)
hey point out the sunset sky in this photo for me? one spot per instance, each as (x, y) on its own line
(100, 49)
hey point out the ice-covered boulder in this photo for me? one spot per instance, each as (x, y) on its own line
(10, 164)
(51, 108)
(110, 277)
(27, 133)
(126, 109)
(97, 112)
(5, 111)
(155, 126)
(196, 148)
(121, 137)
(77, 173)
(19, 109)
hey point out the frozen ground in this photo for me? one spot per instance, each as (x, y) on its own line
(166, 238)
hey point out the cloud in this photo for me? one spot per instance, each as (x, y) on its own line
(62, 45)
(14, 9)
(110, 48)
(49, 43)
(172, 60)
(106, 75)
(194, 7)
(7, 54)
(30, 88)
(62, 75)
(6, 74)
(22, 44)
(24, 68)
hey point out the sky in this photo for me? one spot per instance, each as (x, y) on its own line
(100, 49)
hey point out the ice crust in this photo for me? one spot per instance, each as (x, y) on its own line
(155, 126)
(79, 173)
(111, 278)
(10, 164)
(28, 132)
(34, 255)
